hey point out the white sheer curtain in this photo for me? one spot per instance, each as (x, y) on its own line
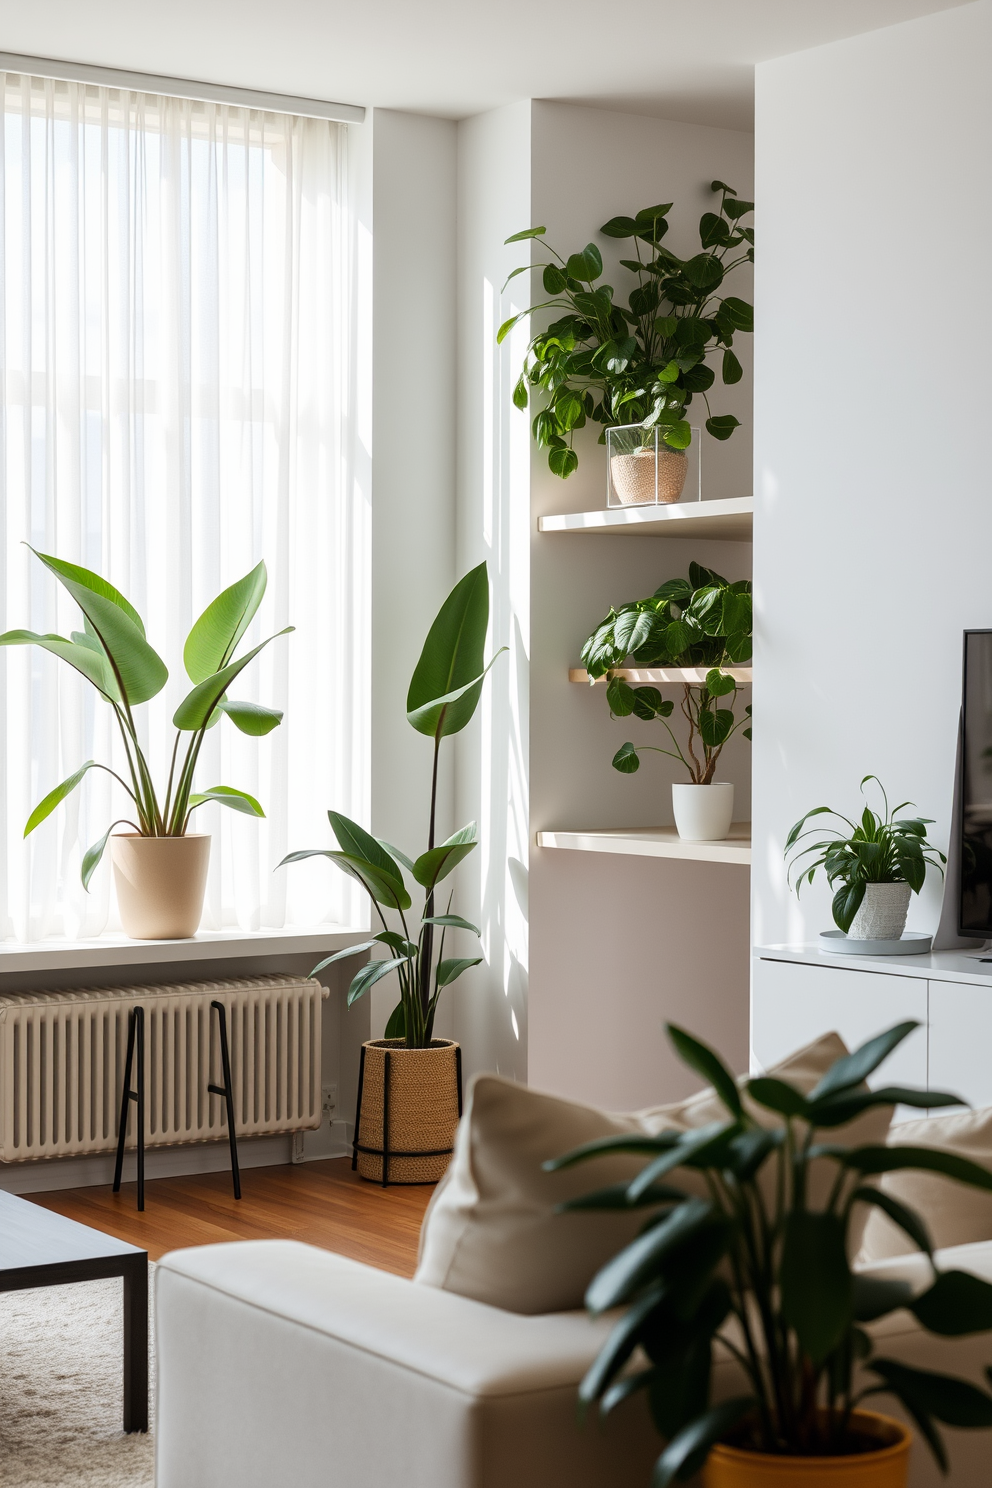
(178, 401)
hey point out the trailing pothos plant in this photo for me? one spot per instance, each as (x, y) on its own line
(879, 849)
(702, 621)
(443, 695)
(112, 653)
(750, 1268)
(641, 362)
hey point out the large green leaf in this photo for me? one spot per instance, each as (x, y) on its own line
(685, 1453)
(371, 972)
(140, 671)
(447, 680)
(92, 856)
(396, 1023)
(450, 970)
(690, 1149)
(47, 806)
(197, 706)
(619, 1346)
(227, 795)
(953, 1401)
(212, 641)
(637, 1263)
(355, 950)
(817, 1294)
(354, 839)
(438, 862)
(956, 1304)
(706, 1062)
(900, 1214)
(852, 1069)
(875, 1160)
(777, 1095)
(382, 887)
(453, 922)
(251, 718)
(93, 664)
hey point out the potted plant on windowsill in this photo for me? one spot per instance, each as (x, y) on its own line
(643, 362)
(160, 868)
(410, 1085)
(748, 1267)
(702, 621)
(878, 864)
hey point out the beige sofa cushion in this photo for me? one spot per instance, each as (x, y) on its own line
(491, 1231)
(954, 1214)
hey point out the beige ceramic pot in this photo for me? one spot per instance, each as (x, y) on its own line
(415, 1097)
(885, 1463)
(634, 476)
(160, 884)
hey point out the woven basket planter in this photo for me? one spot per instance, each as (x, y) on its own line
(413, 1098)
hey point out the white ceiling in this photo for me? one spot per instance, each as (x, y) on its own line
(680, 59)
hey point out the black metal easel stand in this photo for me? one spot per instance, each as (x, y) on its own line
(227, 1091)
(135, 1032)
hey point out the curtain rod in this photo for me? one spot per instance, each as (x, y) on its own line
(147, 82)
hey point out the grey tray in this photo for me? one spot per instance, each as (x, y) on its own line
(913, 943)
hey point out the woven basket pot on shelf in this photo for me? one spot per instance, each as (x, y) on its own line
(635, 476)
(887, 1466)
(414, 1097)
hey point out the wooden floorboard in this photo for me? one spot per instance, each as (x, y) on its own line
(321, 1203)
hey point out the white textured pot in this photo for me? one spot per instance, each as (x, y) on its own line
(703, 813)
(160, 884)
(883, 912)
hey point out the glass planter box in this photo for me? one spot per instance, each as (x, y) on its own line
(641, 468)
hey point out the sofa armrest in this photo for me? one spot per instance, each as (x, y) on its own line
(282, 1363)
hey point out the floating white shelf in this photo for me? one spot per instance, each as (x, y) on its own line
(726, 521)
(655, 842)
(662, 675)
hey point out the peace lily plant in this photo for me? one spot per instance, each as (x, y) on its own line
(112, 653)
(739, 1260)
(443, 696)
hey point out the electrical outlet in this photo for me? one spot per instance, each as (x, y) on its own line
(328, 1100)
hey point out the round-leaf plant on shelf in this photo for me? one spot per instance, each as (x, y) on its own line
(878, 864)
(744, 1256)
(422, 1092)
(160, 869)
(702, 621)
(643, 362)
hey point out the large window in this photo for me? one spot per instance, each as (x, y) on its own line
(178, 401)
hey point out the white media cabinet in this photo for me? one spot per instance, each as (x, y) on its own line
(799, 992)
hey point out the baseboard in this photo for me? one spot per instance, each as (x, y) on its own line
(48, 1174)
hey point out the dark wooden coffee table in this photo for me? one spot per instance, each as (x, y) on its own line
(39, 1248)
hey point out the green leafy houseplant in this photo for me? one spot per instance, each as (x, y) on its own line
(643, 362)
(112, 653)
(444, 694)
(878, 849)
(754, 1254)
(702, 621)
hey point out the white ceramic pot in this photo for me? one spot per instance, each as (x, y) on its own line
(160, 884)
(883, 911)
(703, 813)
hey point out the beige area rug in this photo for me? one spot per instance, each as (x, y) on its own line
(61, 1391)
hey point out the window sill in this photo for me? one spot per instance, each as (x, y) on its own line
(207, 945)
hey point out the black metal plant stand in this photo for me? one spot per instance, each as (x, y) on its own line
(385, 1152)
(227, 1091)
(135, 1030)
(136, 1036)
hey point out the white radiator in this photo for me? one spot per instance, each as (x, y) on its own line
(62, 1064)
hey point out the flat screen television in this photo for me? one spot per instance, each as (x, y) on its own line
(976, 788)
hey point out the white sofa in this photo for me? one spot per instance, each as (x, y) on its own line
(280, 1364)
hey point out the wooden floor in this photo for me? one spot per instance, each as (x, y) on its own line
(321, 1203)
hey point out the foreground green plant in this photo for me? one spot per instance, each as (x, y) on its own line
(112, 653)
(444, 694)
(879, 849)
(702, 621)
(641, 363)
(748, 1266)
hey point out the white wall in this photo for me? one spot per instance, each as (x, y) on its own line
(614, 944)
(413, 460)
(873, 522)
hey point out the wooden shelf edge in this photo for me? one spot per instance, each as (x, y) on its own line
(655, 842)
(663, 675)
(726, 520)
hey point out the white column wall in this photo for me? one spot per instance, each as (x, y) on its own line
(616, 945)
(873, 521)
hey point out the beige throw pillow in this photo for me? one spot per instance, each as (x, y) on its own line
(491, 1231)
(954, 1214)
